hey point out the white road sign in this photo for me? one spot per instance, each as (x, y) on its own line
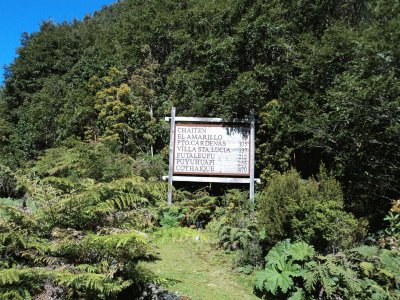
(209, 149)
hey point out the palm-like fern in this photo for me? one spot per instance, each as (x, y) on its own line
(79, 239)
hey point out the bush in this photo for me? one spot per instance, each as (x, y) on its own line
(148, 166)
(326, 226)
(169, 220)
(308, 210)
(236, 229)
(277, 205)
(250, 254)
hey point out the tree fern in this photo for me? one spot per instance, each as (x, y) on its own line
(127, 201)
(76, 238)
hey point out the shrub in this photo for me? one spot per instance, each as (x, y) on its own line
(148, 166)
(393, 218)
(277, 204)
(326, 226)
(236, 229)
(250, 255)
(308, 210)
(169, 220)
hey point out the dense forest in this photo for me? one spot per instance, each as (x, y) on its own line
(84, 144)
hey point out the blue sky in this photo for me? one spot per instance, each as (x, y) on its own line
(18, 16)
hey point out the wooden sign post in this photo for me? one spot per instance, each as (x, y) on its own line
(171, 155)
(211, 150)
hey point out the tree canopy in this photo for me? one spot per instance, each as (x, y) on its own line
(322, 76)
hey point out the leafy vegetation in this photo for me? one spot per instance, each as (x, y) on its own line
(83, 146)
(322, 77)
(237, 229)
(83, 240)
(313, 212)
(191, 209)
(294, 271)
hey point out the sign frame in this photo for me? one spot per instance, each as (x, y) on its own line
(210, 173)
(213, 177)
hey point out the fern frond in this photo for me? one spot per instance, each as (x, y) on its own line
(366, 267)
(133, 183)
(297, 295)
(86, 281)
(118, 240)
(83, 281)
(390, 262)
(126, 201)
(366, 251)
(120, 245)
(14, 240)
(140, 219)
(14, 216)
(61, 183)
(310, 281)
(9, 276)
(12, 294)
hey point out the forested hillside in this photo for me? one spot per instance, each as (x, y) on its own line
(82, 122)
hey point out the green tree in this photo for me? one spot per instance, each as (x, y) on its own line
(122, 118)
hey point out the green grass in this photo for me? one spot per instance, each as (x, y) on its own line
(197, 270)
